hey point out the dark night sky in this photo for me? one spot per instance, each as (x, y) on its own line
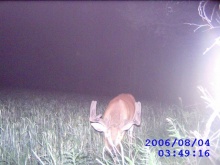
(103, 47)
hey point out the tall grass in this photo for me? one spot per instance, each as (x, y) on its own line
(38, 128)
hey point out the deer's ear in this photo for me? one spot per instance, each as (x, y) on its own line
(99, 127)
(137, 114)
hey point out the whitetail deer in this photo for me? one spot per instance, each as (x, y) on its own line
(121, 114)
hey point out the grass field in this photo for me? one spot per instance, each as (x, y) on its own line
(41, 128)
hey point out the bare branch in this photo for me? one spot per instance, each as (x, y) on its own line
(208, 21)
(217, 42)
